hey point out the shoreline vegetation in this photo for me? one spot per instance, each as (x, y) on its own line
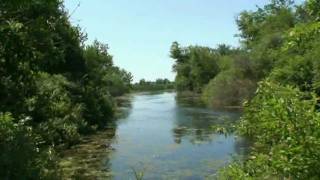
(274, 76)
(157, 85)
(55, 89)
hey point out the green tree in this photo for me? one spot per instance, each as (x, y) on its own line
(22, 154)
(54, 87)
(195, 66)
(284, 124)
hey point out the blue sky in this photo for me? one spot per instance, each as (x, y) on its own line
(140, 32)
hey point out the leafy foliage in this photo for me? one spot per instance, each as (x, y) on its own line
(283, 117)
(22, 154)
(102, 81)
(159, 84)
(228, 89)
(49, 77)
(234, 84)
(280, 53)
(284, 125)
(195, 66)
(225, 76)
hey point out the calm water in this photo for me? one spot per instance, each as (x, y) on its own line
(160, 136)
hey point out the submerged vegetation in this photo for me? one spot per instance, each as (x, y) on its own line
(53, 88)
(274, 74)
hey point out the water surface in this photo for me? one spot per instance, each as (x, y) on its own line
(161, 137)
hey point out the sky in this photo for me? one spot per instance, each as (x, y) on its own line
(139, 33)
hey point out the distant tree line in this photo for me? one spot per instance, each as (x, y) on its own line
(159, 84)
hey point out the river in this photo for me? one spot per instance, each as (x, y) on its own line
(158, 137)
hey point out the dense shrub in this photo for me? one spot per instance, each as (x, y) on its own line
(22, 153)
(53, 111)
(47, 75)
(195, 66)
(280, 49)
(102, 81)
(99, 106)
(234, 84)
(285, 126)
(228, 89)
(283, 118)
(299, 63)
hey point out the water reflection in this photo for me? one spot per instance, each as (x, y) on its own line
(124, 106)
(171, 138)
(160, 135)
(194, 122)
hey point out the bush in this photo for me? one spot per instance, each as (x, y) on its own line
(295, 71)
(47, 75)
(194, 65)
(228, 89)
(285, 126)
(59, 119)
(99, 105)
(21, 152)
